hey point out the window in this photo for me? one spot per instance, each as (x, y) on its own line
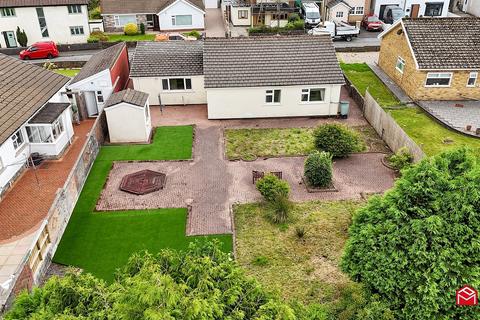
(357, 10)
(272, 96)
(42, 22)
(150, 21)
(76, 8)
(438, 79)
(17, 139)
(122, 20)
(182, 20)
(472, 79)
(433, 9)
(39, 134)
(313, 95)
(242, 14)
(99, 95)
(400, 64)
(177, 84)
(7, 12)
(57, 128)
(339, 14)
(281, 16)
(77, 31)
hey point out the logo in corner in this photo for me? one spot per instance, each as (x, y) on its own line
(466, 296)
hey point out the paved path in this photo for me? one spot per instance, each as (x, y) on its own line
(214, 23)
(396, 90)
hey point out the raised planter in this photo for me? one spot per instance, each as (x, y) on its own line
(310, 189)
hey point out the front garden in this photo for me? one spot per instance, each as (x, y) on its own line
(101, 242)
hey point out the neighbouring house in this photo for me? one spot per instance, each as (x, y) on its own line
(471, 6)
(128, 117)
(433, 59)
(413, 8)
(161, 15)
(61, 21)
(170, 72)
(338, 11)
(259, 13)
(281, 76)
(35, 116)
(104, 73)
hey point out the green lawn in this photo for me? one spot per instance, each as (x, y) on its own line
(100, 242)
(430, 135)
(304, 269)
(115, 37)
(67, 72)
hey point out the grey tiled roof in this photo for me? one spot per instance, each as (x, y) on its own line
(50, 112)
(169, 58)
(333, 3)
(24, 89)
(445, 43)
(100, 61)
(141, 6)
(270, 61)
(137, 98)
(36, 3)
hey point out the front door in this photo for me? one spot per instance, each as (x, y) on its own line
(10, 40)
(414, 10)
(91, 102)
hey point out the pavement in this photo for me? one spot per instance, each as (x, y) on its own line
(214, 25)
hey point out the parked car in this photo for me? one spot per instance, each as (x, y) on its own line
(40, 50)
(337, 30)
(372, 23)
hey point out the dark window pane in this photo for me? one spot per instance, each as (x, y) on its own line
(177, 84)
(188, 83)
(268, 98)
(276, 97)
(165, 84)
(438, 81)
(316, 94)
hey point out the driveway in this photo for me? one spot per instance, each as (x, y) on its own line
(214, 26)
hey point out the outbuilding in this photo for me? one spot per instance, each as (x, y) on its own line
(128, 117)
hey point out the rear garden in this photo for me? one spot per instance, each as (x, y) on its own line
(101, 242)
(430, 135)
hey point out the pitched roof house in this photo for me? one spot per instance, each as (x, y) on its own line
(35, 115)
(433, 59)
(62, 21)
(164, 15)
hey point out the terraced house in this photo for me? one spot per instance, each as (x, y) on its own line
(62, 21)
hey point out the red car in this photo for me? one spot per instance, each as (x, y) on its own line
(40, 50)
(372, 23)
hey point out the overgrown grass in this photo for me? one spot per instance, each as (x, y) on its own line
(101, 242)
(115, 37)
(248, 144)
(67, 72)
(430, 135)
(300, 268)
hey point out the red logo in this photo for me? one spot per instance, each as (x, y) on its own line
(467, 296)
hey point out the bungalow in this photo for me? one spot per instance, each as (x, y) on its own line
(105, 72)
(163, 15)
(35, 116)
(62, 21)
(259, 77)
(433, 59)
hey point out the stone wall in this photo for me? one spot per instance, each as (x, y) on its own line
(109, 23)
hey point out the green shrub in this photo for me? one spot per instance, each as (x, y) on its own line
(294, 17)
(260, 261)
(193, 33)
(95, 13)
(337, 139)
(299, 24)
(401, 159)
(318, 169)
(97, 36)
(142, 28)
(130, 29)
(280, 208)
(270, 187)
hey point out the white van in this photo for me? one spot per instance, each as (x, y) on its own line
(311, 13)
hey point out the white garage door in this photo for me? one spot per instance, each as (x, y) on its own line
(209, 4)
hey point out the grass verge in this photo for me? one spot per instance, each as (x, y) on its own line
(101, 242)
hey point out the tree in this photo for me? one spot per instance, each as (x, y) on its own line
(420, 242)
(21, 37)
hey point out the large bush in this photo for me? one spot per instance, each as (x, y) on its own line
(270, 187)
(401, 159)
(420, 242)
(318, 169)
(337, 139)
(130, 29)
(97, 36)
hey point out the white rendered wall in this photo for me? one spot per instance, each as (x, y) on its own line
(136, 129)
(240, 22)
(181, 8)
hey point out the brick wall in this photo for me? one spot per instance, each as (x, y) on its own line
(412, 81)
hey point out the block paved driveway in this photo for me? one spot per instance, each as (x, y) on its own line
(209, 184)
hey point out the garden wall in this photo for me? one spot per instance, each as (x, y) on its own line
(388, 129)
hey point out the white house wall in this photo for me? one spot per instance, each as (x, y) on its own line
(136, 129)
(98, 82)
(407, 4)
(153, 86)
(240, 22)
(472, 7)
(181, 8)
(12, 160)
(339, 8)
(232, 103)
(58, 21)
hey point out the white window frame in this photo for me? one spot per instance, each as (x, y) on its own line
(18, 135)
(174, 20)
(400, 62)
(357, 11)
(307, 92)
(8, 12)
(177, 90)
(339, 14)
(1, 165)
(271, 93)
(243, 15)
(430, 75)
(77, 31)
(99, 95)
(74, 9)
(473, 75)
(116, 20)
